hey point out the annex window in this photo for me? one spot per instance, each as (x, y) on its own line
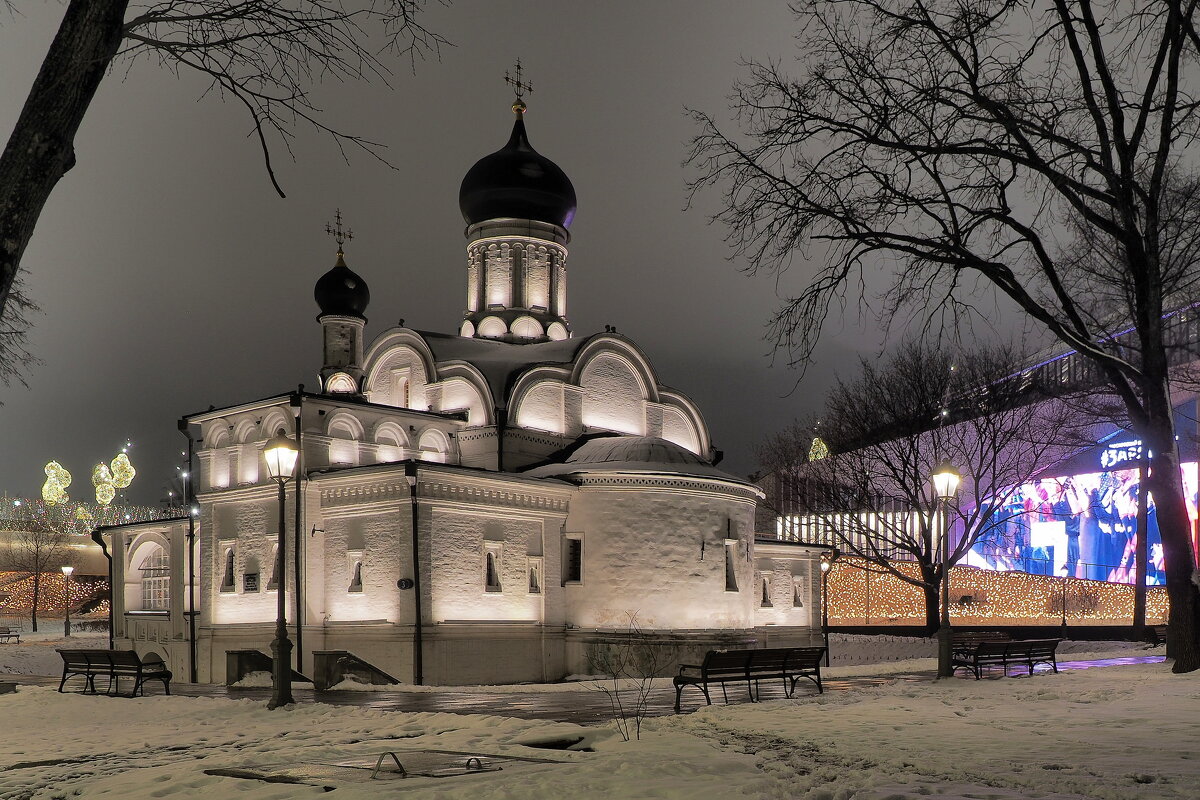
(356, 578)
(798, 591)
(491, 567)
(572, 563)
(354, 568)
(227, 577)
(535, 575)
(765, 592)
(156, 581)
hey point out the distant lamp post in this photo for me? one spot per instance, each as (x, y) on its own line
(945, 486)
(280, 454)
(67, 600)
(827, 560)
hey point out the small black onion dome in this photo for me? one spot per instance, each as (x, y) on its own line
(342, 292)
(517, 181)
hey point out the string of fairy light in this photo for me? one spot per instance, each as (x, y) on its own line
(17, 595)
(857, 595)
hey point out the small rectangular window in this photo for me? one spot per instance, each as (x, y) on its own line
(572, 561)
(491, 567)
(250, 582)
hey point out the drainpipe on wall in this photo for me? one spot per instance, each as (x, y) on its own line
(297, 403)
(98, 538)
(189, 500)
(410, 473)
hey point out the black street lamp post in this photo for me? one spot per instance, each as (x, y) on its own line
(66, 571)
(280, 454)
(826, 564)
(945, 485)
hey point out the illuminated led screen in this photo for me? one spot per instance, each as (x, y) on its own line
(1081, 526)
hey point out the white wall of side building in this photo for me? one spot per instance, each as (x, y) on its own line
(655, 548)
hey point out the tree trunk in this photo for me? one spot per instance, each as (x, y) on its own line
(1166, 486)
(41, 148)
(37, 589)
(932, 608)
(1141, 550)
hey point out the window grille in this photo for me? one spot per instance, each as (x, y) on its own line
(156, 581)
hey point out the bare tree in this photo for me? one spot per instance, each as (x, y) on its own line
(630, 661)
(887, 429)
(1042, 149)
(40, 544)
(262, 54)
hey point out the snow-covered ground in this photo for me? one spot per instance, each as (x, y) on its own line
(1110, 733)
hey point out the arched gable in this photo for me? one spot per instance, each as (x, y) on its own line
(465, 388)
(274, 421)
(634, 358)
(391, 433)
(245, 431)
(345, 431)
(435, 445)
(539, 401)
(683, 423)
(215, 433)
(615, 392)
(398, 366)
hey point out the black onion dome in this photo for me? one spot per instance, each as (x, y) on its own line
(342, 292)
(517, 181)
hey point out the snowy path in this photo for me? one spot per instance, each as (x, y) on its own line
(1115, 733)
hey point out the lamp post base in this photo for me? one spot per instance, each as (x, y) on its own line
(281, 677)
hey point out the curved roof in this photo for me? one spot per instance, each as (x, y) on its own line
(648, 455)
(517, 182)
(341, 292)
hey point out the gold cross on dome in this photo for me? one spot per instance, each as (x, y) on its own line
(519, 86)
(335, 230)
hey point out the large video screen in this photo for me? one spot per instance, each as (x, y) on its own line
(1081, 526)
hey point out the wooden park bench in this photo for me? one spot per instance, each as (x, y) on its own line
(1156, 634)
(789, 664)
(1016, 652)
(10, 634)
(114, 664)
(965, 642)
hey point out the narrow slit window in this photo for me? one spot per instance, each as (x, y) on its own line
(535, 576)
(731, 567)
(227, 580)
(765, 591)
(491, 571)
(573, 561)
(356, 584)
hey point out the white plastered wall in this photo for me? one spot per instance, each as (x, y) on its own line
(461, 539)
(657, 549)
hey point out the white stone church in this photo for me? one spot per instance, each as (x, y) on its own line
(482, 506)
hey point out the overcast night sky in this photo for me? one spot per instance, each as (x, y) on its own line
(172, 277)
